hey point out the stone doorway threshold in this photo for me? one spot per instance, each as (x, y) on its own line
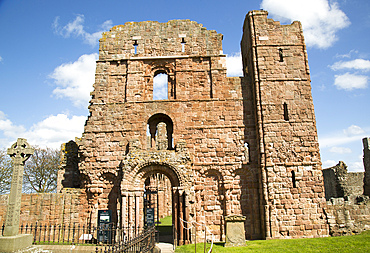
(165, 247)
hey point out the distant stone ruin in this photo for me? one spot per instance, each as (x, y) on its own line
(347, 195)
(339, 183)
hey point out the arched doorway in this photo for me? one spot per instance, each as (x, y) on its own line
(144, 192)
(158, 206)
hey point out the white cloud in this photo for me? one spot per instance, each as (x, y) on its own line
(350, 81)
(75, 79)
(77, 29)
(50, 132)
(160, 87)
(348, 135)
(353, 130)
(234, 65)
(340, 150)
(347, 55)
(320, 19)
(356, 167)
(10, 131)
(1, 59)
(357, 64)
(328, 164)
(55, 130)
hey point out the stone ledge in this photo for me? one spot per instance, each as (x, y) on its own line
(14, 243)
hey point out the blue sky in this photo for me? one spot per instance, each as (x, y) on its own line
(48, 51)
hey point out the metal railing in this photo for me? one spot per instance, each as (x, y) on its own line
(144, 242)
(115, 239)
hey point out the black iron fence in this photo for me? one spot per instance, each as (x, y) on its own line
(115, 239)
(144, 242)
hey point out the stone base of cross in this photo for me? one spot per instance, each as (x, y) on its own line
(15, 243)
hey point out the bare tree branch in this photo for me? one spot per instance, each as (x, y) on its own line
(41, 171)
(5, 172)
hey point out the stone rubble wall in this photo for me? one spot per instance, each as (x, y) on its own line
(347, 216)
(68, 173)
(67, 207)
(159, 39)
(366, 159)
(348, 204)
(339, 183)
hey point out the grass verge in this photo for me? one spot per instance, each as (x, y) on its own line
(354, 243)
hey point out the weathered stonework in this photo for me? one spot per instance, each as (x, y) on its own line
(216, 148)
(235, 234)
(348, 216)
(348, 207)
(339, 183)
(366, 144)
(229, 146)
(64, 208)
(68, 174)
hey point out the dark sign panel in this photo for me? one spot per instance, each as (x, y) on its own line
(105, 226)
(150, 216)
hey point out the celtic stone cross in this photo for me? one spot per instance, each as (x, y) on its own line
(19, 153)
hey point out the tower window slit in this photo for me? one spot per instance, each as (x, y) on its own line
(286, 115)
(293, 180)
(135, 46)
(281, 55)
(183, 45)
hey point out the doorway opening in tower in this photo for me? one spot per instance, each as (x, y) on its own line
(158, 206)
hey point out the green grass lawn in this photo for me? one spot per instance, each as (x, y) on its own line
(354, 243)
(166, 221)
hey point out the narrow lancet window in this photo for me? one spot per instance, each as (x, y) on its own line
(183, 45)
(293, 180)
(281, 55)
(246, 153)
(135, 46)
(286, 115)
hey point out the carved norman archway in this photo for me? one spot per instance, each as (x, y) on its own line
(140, 165)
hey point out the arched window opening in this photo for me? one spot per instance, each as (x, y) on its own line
(160, 86)
(160, 132)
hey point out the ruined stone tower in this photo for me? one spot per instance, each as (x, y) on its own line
(228, 146)
(366, 160)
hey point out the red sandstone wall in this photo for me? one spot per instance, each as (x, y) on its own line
(67, 207)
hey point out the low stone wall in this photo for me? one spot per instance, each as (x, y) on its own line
(66, 207)
(348, 216)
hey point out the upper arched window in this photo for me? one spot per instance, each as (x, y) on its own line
(160, 86)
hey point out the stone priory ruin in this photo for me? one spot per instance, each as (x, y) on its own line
(224, 146)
